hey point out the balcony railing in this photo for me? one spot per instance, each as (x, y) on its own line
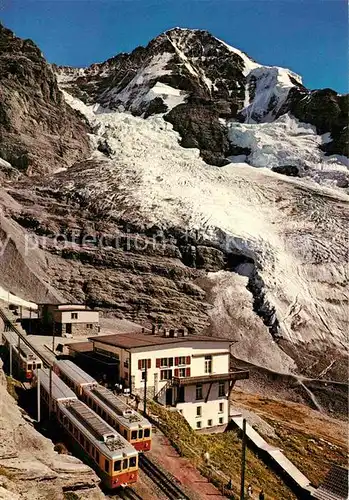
(211, 377)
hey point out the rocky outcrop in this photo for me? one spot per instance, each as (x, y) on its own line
(291, 170)
(326, 110)
(29, 466)
(39, 132)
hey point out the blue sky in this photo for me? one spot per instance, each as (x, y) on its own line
(308, 36)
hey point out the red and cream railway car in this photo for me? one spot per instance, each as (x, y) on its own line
(113, 458)
(129, 423)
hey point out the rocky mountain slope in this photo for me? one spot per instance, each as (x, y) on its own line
(39, 132)
(153, 230)
(197, 80)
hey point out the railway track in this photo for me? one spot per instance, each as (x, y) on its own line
(128, 494)
(166, 484)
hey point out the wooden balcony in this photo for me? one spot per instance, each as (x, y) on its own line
(209, 378)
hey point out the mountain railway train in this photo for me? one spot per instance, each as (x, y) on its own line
(113, 458)
(129, 423)
(24, 360)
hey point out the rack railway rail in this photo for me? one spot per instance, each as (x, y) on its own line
(166, 484)
(128, 494)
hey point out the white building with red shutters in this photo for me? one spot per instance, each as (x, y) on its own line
(189, 372)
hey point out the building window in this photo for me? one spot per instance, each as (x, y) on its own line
(182, 360)
(221, 406)
(198, 411)
(220, 420)
(144, 363)
(143, 376)
(164, 362)
(182, 372)
(165, 374)
(199, 391)
(89, 326)
(74, 315)
(208, 364)
(198, 424)
(209, 422)
(221, 389)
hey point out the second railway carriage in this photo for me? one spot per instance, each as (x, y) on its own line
(73, 376)
(133, 426)
(113, 458)
(25, 361)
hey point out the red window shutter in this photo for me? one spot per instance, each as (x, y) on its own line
(176, 372)
(158, 361)
(187, 372)
(188, 360)
(176, 361)
(149, 363)
(139, 364)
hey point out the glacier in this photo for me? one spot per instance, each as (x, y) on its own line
(293, 229)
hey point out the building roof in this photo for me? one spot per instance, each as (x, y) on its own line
(80, 346)
(136, 339)
(335, 485)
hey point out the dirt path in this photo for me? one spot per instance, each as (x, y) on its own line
(193, 482)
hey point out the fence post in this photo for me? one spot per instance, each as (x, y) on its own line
(243, 460)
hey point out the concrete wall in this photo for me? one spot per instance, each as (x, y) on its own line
(83, 316)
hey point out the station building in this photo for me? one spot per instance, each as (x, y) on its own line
(68, 319)
(188, 372)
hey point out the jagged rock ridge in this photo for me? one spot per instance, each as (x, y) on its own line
(39, 132)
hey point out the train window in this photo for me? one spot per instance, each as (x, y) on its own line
(94, 407)
(82, 439)
(104, 415)
(125, 464)
(70, 426)
(134, 435)
(29, 367)
(106, 465)
(117, 427)
(125, 433)
(146, 433)
(117, 465)
(92, 451)
(140, 434)
(87, 447)
(97, 456)
(133, 461)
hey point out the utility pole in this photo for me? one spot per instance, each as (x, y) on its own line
(53, 338)
(38, 394)
(243, 460)
(145, 387)
(10, 360)
(50, 396)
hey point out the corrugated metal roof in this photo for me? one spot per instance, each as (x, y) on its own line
(73, 372)
(335, 485)
(60, 391)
